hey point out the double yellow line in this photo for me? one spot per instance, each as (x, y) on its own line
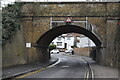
(36, 71)
(30, 73)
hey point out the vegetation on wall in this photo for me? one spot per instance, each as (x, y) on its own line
(10, 21)
(52, 46)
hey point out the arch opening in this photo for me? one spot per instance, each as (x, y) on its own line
(44, 41)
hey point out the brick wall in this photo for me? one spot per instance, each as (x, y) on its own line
(82, 51)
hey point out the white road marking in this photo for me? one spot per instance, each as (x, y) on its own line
(65, 66)
(83, 60)
(54, 64)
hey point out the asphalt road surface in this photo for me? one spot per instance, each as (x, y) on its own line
(67, 67)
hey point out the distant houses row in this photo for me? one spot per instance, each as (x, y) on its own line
(67, 41)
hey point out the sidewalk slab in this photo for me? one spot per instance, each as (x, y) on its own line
(21, 69)
(102, 72)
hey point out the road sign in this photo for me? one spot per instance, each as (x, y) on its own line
(68, 20)
(28, 45)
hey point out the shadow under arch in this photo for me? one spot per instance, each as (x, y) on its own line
(44, 41)
(50, 35)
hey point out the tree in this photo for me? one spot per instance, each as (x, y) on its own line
(10, 21)
(51, 47)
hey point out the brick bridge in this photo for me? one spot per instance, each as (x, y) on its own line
(42, 22)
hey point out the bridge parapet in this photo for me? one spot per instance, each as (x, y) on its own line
(71, 9)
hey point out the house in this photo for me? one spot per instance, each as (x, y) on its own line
(66, 41)
(85, 42)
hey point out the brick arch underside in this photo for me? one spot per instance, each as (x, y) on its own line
(50, 35)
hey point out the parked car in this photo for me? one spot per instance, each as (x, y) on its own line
(54, 51)
(68, 51)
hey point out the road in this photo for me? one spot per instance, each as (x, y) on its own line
(66, 67)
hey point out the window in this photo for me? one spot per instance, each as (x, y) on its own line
(59, 38)
(59, 43)
(68, 38)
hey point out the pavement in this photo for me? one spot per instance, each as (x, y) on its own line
(102, 72)
(21, 69)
